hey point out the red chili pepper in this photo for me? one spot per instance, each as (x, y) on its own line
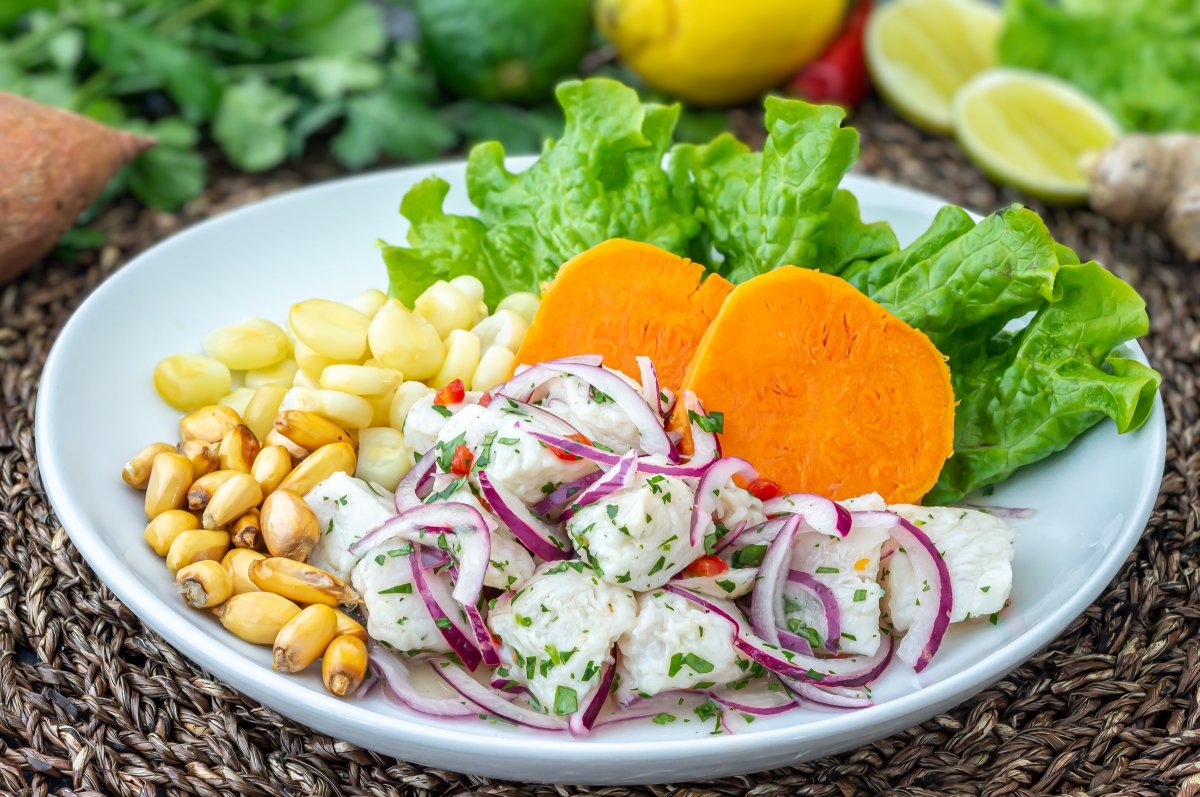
(563, 455)
(839, 75)
(461, 462)
(763, 489)
(453, 393)
(485, 400)
(706, 566)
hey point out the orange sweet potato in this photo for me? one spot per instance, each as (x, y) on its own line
(622, 299)
(53, 164)
(824, 390)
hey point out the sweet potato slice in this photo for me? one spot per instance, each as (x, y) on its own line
(622, 299)
(824, 390)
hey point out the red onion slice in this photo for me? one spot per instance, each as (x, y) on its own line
(609, 458)
(541, 538)
(396, 679)
(581, 722)
(828, 696)
(925, 635)
(706, 446)
(833, 613)
(471, 530)
(756, 698)
(445, 613)
(539, 415)
(408, 491)
(717, 476)
(824, 515)
(651, 388)
(479, 630)
(794, 642)
(553, 504)
(492, 702)
(766, 602)
(618, 478)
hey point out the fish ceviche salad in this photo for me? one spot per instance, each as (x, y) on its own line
(553, 549)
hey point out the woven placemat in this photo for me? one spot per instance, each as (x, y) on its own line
(91, 702)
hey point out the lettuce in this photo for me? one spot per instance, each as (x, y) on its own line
(603, 179)
(783, 206)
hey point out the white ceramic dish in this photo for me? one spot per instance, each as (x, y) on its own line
(97, 406)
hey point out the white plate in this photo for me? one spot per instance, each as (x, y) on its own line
(97, 406)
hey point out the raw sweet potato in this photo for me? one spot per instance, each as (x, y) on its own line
(824, 390)
(622, 299)
(53, 164)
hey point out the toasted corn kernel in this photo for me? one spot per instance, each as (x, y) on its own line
(202, 490)
(406, 342)
(237, 562)
(232, 499)
(246, 531)
(289, 526)
(271, 466)
(208, 424)
(187, 381)
(447, 308)
(170, 475)
(462, 358)
(351, 412)
(205, 457)
(368, 302)
(136, 472)
(237, 400)
(502, 328)
(196, 545)
(348, 626)
(204, 584)
(303, 640)
(344, 665)
(522, 303)
(301, 582)
(408, 394)
(238, 449)
(360, 380)
(256, 617)
(319, 466)
(309, 430)
(295, 452)
(280, 374)
(331, 329)
(263, 407)
(382, 457)
(495, 366)
(163, 530)
(254, 343)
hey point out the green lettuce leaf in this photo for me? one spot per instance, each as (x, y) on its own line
(1025, 395)
(783, 206)
(603, 179)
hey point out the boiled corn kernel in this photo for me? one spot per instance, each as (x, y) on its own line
(238, 449)
(311, 363)
(262, 408)
(237, 400)
(170, 475)
(237, 563)
(187, 381)
(163, 530)
(304, 638)
(205, 457)
(495, 367)
(231, 500)
(352, 412)
(302, 379)
(208, 424)
(331, 329)
(503, 328)
(382, 457)
(348, 626)
(408, 394)
(381, 408)
(522, 303)
(136, 472)
(202, 489)
(360, 380)
(344, 665)
(309, 430)
(405, 342)
(256, 617)
(280, 374)
(289, 526)
(196, 545)
(319, 466)
(254, 343)
(368, 302)
(446, 308)
(204, 584)
(462, 358)
(246, 531)
(271, 466)
(472, 288)
(301, 582)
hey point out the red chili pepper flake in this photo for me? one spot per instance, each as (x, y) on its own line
(461, 462)
(563, 455)
(706, 566)
(453, 393)
(763, 489)
(485, 400)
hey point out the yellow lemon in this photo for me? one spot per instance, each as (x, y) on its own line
(718, 52)
(920, 52)
(1032, 131)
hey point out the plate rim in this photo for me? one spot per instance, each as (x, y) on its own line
(220, 660)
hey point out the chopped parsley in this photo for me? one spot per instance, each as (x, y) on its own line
(994, 618)
(611, 509)
(860, 595)
(828, 570)
(663, 718)
(750, 556)
(445, 451)
(623, 578)
(985, 588)
(662, 561)
(442, 622)
(548, 488)
(566, 701)
(712, 422)
(399, 589)
(693, 661)
(485, 452)
(329, 528)
(441, 410)
(342, 500)
(522, 620)
(445, 492)
(727, 585)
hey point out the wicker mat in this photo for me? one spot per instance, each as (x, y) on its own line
(91, 702)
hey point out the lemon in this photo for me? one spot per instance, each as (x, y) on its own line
(718, 52)
(920, 52)
(1031, 130)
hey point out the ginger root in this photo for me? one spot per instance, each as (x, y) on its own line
(1151, 178)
